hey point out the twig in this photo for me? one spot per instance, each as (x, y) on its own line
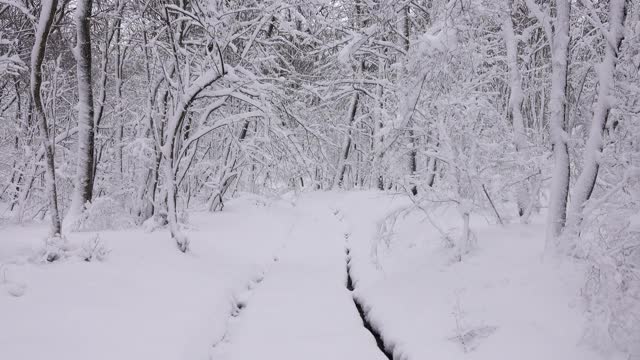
(493, 206)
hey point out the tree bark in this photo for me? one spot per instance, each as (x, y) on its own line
(83, 189)
(170, 149)
(119, 100)
(342, 164)
(516, 100)
(590, 165)
(378, 137)
(405, 29)
(47, 14)
(557, 107)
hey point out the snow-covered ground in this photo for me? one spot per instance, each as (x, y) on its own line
(502, 301)
(303, 310)
(146, 300)
(268, 279)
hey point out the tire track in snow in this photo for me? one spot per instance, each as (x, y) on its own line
(241, 301)
(385, 347)
(387, 350)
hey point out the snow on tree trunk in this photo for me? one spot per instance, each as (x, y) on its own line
(432, 167)
(378, 137)
(83, 189)
(344, 156)
(47, 14)
(557, 106)
(172, 214)
(119, 100)
(170, 151)
(587, 179)
(516, 99)
(405, 30)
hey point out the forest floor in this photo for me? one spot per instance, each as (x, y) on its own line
(316, 276)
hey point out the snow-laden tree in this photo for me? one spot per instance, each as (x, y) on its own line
(45, 21)
(612, 35)
(557, 34)
(502, 108)
(83, 184)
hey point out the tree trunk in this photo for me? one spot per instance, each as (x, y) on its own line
(377, 135)
(342, 164)
(47, 14)
(432, 166)
(405, 30)
(119, 101)
(83, 189)
(557, 107)
(516, 100)
(172, 212)
(170, 152)
(229, 174)
(593, 149)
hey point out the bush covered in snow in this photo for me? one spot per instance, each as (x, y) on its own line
(104, 213)
(55, 248)
(157, 221)
(93, 249)
(611, 242)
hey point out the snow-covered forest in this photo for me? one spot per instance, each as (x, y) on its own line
(189, 179)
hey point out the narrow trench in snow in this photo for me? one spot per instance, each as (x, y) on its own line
(239, 305)
(374, 332)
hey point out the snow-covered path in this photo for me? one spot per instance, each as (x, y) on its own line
(302, 309)
(283, 263)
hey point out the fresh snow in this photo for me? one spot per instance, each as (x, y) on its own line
(146, 300)
(267, 279)
(503, 301)
(302, 309)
